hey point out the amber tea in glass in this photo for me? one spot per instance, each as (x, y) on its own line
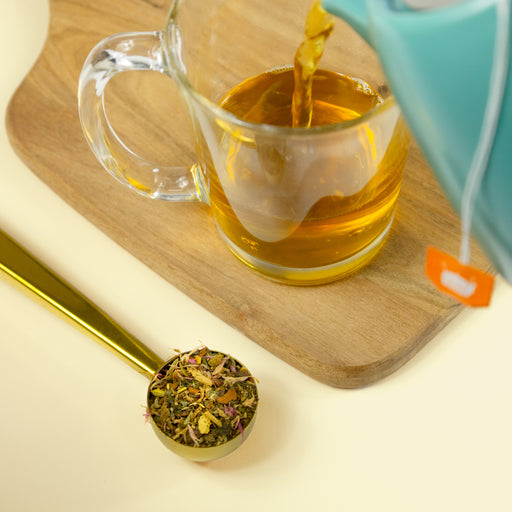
(338, 225)
(332, 225)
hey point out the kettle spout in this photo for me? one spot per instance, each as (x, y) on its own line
(354, 12)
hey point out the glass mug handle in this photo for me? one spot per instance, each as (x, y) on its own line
(135, 51)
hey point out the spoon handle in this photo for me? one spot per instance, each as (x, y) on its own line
(25, 272)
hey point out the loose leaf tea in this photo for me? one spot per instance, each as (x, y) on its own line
(203, 398)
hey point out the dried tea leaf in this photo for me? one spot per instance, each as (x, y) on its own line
(219, 367)
(228, 397)
(212, 418)
(204, 424)
(200, 377)
(237, 379)
(221, 413)
(249, 401)
(216, 360)
(165, 414)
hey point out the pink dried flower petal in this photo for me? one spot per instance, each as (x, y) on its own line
(240, 428)
(193, 435)
(230, 410)
(147, 415)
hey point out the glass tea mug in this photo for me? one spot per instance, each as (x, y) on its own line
(299, 205)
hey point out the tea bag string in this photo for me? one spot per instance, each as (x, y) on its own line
(480, 159)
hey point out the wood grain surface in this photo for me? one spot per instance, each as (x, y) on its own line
(346, 334)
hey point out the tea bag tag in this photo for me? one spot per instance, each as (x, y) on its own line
(462, 282)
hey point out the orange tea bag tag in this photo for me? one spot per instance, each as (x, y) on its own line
(463, 282)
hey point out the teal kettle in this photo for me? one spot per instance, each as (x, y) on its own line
(449, 68)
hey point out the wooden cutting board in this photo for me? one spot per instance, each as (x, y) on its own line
(347, 334)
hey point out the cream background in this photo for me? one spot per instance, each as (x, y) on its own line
(436, 435)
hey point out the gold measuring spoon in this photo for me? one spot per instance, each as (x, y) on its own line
(36, 280)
